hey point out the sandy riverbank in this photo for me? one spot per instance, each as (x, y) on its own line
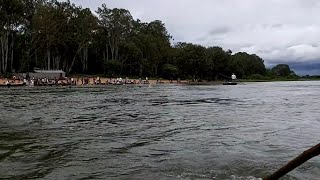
(106, 80)
(103, 80)
(12, 81)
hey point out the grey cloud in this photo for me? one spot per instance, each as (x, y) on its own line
(277, 25)
(311, 67)
(219, 30)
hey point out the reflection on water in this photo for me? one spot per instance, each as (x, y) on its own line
(158, 132)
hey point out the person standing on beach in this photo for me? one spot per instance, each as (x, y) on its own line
(98, 80)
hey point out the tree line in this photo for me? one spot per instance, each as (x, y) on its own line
(53, 35)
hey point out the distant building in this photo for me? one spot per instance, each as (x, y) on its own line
(50, 74)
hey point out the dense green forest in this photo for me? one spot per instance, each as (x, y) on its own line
(48, 34)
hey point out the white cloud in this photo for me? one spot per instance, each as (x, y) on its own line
(276, 30)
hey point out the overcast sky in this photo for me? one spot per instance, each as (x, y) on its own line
(279, 31)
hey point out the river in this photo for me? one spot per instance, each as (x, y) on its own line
(238, 132)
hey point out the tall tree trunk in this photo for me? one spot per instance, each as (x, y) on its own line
(155, 69)
(44, 60)
(65, 65)
(36, 57)
(107, 48)
(53, 62)
(2, 54)
(7, 53)
(74, 58)
(84, 59)
(112, 50)
(117, 53)
(86, 63)
(112, 53)
(58, 62)
(11, 62)
(140, 69)
(104, 61)
(87, 51)
(49, 59)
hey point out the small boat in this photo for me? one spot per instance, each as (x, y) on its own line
(12, 85)
(229, 83)
(118, 83)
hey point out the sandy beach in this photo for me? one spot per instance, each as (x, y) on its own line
(106, 80)
(103, 80)
(11, 80)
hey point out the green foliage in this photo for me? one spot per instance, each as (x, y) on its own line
(245, 64)
(11, 13)
(257, 77)
(282, 70)
(169, 71)
(113, 68)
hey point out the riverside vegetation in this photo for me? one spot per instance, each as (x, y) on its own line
(49, 34)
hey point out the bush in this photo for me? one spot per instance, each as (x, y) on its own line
(256, 77)
(169, 71)
(113, 67)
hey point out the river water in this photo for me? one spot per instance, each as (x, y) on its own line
(158, 132)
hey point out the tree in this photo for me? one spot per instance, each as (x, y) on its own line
(84, 25)
(218, 61)
(282, 70)
(150, 43)
(191, 59)
(11, 12)
(62, 33)
(117, 25)
(169, 71)
(159, 44)
(245, 64)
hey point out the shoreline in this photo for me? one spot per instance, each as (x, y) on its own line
(105, 81)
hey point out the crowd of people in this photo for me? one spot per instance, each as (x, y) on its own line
(64, 81)
(76, 81)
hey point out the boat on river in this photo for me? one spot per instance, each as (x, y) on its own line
(229, 83)
(118, 83)
(12, 85)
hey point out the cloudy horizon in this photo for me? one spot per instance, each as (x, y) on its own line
(279, 31)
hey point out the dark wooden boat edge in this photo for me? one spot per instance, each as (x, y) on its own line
(12, 85)
(229, 83)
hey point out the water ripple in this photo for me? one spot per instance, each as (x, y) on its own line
(158, 132)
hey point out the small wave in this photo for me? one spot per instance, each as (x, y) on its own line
(161, 102)
(126, 148)
(234, 177)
